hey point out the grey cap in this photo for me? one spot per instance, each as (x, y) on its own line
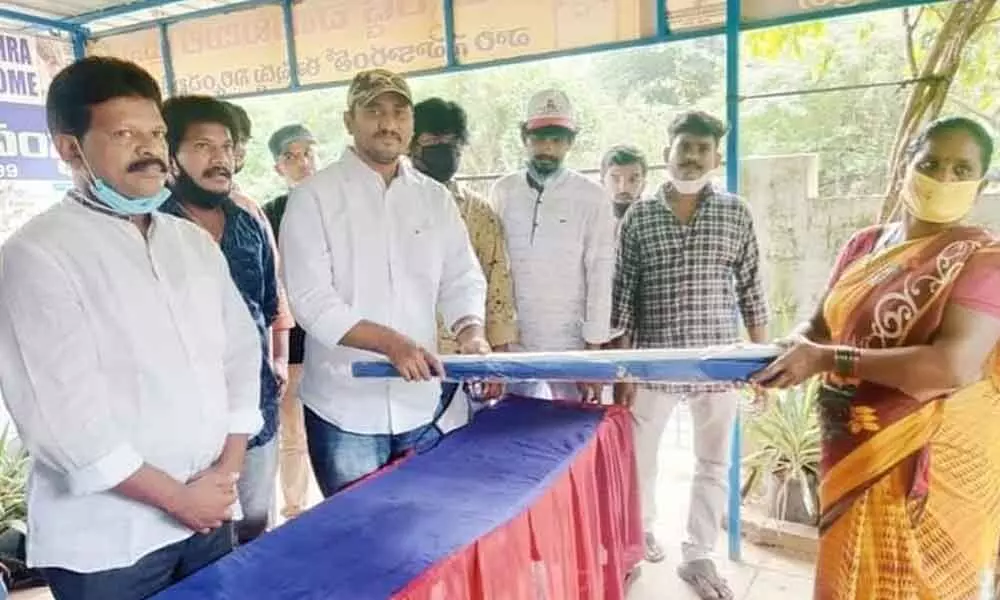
(286, 136)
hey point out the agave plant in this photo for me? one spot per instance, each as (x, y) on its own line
(13, 480)
(785, 442)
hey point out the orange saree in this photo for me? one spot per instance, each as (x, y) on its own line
(910, 490)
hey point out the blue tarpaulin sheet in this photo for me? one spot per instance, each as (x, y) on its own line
(373, 539)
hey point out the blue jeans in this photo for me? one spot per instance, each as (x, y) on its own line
(340, 457)
(153, 573)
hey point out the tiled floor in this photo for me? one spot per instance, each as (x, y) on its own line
(762, 574)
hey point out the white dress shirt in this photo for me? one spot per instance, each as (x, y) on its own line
(117, 351)
(356, 249)
(561, 246)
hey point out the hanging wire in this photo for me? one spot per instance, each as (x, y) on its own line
(844, 88)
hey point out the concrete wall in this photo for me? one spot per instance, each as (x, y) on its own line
(801, 233)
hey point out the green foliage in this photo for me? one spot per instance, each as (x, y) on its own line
(789, 41)
(14, 464)
(785, 438)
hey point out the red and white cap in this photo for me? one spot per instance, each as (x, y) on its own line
(550, 108)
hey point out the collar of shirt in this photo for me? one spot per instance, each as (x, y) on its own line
(84, 199)
(175, 207)
(554, 181)
(664, 192)
(405, 171)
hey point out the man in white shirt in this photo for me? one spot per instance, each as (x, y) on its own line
(372, 248)
(128, 359)
(560, 235)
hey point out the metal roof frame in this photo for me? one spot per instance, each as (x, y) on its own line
(79, 27)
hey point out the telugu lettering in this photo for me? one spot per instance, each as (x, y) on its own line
(487, 41)
(238, 81)
(311, 18)
(234, 33)
(26, 144)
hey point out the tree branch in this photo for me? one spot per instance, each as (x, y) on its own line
(911, 50)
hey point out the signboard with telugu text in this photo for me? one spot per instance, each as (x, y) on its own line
(27, 65)
(245, 51)
(32, 177)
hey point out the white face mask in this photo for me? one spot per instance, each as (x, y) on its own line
(690, 187)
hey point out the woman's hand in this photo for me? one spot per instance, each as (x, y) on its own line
(802, 360)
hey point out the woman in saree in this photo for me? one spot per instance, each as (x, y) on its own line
(905, 340)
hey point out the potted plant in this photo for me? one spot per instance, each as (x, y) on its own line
(14, 466)
(784, 442)
(13, 481)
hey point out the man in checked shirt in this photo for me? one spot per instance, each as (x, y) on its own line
(687, 266)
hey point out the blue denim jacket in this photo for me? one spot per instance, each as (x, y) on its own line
(245, 245)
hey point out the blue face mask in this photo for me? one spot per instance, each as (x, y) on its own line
(110, 197)
(124, 205)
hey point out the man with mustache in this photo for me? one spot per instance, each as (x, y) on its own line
(560, 234)
(440, 134)
(688, 267)
(623, 174)
(127, 357)
(200, 132)
(373, 250)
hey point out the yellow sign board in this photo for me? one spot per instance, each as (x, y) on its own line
(236, 53)
(337, 38)
(141, 47)
(245, 51)
(488, 30)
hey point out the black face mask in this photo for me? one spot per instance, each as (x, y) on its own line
(188, 190)
(621, 207)
(438, 161)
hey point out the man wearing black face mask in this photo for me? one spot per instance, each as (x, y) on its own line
(439, 136)
(559, 228)
(200, 136)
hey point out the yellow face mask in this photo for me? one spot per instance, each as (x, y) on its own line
(936, 201)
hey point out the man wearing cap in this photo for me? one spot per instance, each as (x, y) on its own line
(560, 235)
(293, 149)
(373, 249)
